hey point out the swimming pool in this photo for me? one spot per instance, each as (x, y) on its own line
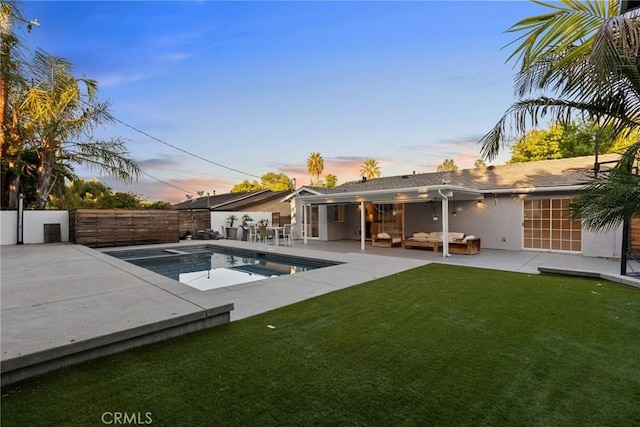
(206, 267)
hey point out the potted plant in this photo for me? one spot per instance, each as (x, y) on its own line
(245, 228)
(246, 218)
(232, 232)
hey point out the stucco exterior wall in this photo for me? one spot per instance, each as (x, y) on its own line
(605, 245)
(33, 226)
(335, 230)
(219, 219)
(498, 221)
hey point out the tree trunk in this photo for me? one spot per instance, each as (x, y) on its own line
(4, 93)
(45, 172)
(14, 190)
(5, 188)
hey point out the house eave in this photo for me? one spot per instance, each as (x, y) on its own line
(394, 195)
(424, 194)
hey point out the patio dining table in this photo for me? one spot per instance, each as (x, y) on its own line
(277, 230)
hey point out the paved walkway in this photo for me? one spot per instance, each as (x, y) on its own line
(57, 299)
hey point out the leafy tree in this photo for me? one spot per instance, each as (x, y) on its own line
(94, 194)
(479, 163)
(370, 169)
(537, 145)
(246, 186)
(156, 205)
(566, 140)
(331, 180)
(276, 181)
(315, 165)
(118, 200)
(579, 60)
(269, 181)
(447, 166)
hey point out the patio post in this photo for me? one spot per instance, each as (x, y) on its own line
(363, 232)
(304, 223)
(445, 223)
(20, 224)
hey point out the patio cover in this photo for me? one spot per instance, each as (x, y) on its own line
(441, 193)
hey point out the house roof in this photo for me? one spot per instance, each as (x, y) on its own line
(231, 202)
(545, 173)
(552, 175)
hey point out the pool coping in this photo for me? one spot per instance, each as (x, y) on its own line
(62, 303)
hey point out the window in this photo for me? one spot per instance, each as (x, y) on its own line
(547, 226)
(338, 213)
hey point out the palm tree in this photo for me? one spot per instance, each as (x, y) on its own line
(370, 169)
(9, 12)
(62, 113)
(580, 59)
(315, 165)
(11, 82)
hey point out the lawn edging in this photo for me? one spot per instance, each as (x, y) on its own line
(38, 363)
(622, 280)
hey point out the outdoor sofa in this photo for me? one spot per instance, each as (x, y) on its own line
(385, 240)
(459, 243)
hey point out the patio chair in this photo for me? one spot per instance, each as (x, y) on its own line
(265, 234)
(385, 240)
(287, 234)
(253, 231)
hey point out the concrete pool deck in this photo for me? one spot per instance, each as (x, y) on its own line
(65, 303)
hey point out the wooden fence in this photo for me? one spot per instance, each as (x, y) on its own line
(279, 219)
(634, 236)
(192, 221)
(122, 227)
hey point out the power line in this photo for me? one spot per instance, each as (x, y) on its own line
(183, 150)
(166, 183)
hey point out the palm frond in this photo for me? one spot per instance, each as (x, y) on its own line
(605, 203)
(547, 33)
(528, 113)
(110, 156)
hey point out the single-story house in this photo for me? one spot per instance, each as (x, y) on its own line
(258, 201)
(211, 212)
(518, 207)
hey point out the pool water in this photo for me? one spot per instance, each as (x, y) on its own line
(209, 267)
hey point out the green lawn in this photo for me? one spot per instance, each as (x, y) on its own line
(437, 345)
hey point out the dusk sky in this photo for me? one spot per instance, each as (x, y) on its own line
(257, 86)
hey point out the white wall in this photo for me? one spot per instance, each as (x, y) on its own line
(219, 219)
(606, 245)
(497, 221)
(33, 226)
